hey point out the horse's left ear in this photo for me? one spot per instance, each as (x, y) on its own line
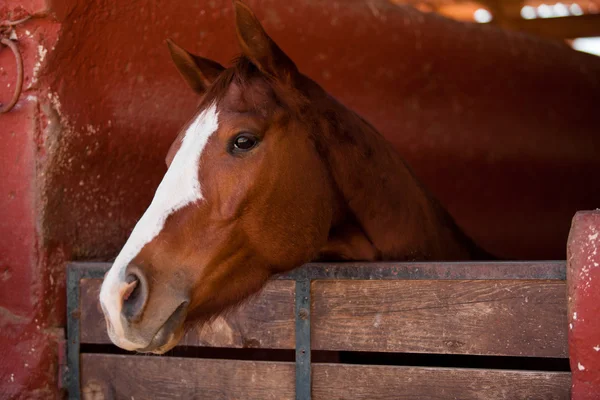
(262, 51)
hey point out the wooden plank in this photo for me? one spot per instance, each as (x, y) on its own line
(361, 382)
(105, 376)
(510, 318)
(456, 270)
(266, 321)
(116, 376)
(390, 270)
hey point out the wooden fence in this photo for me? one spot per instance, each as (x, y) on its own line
(453, 315)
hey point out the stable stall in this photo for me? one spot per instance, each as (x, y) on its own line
(498, 119)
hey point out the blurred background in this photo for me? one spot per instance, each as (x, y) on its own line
(578, 23)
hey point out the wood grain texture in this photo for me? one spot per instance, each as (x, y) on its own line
(512, 318)
(106, 377)
(138, 377)
(266, 321)
(361, 382)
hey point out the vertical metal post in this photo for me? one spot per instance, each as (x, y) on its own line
(303, 364)
(72, 373)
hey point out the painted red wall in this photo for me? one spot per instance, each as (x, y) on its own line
(499, 126)
(31, 292)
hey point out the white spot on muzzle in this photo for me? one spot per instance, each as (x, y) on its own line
(180, 186)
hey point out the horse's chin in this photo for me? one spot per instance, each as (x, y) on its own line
(175, 338)
(161, 346)
(169, 334)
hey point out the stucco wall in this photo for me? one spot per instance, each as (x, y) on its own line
(31, 289)
(499, 126)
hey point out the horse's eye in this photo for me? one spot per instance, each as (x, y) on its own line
(244, 142)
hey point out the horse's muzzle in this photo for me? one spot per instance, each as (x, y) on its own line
(143, 317)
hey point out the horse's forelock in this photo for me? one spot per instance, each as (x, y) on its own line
(243, 72)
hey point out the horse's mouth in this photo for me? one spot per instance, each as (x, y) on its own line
(169, 333)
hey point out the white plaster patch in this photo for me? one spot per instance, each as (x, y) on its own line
(179, 187)
(42, 51)
(597, 348)
(575, 316)
(55, 101)
(593, 237)
(580, 367)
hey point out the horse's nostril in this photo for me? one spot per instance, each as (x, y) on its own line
(132, 288)
(134, 297)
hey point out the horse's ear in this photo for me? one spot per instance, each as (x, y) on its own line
(198, 72)
(260, 49)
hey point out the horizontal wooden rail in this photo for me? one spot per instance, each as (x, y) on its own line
(142, 377)
(511, 317)
(467, 270)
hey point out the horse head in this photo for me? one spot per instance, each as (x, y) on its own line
(246, 195)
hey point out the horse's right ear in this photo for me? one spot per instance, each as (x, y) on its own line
(198, 72)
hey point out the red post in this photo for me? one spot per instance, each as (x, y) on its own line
(583, 281)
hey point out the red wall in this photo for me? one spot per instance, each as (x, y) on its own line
(31, 290)
(499, 126)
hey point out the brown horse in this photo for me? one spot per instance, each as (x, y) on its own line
(271, 172)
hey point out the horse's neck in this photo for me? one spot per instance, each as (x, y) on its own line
(384, 213)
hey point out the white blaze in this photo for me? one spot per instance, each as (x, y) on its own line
(180, 186)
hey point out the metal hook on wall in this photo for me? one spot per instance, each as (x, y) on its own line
(6, 34)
